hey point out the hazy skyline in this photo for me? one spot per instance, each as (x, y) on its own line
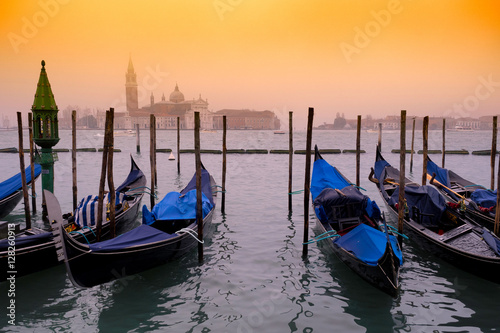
(353, 57)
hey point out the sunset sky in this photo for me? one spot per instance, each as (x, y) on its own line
(437, 58)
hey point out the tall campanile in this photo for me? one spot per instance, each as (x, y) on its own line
(131, 88)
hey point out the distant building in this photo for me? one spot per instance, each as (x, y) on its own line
(167, 112)
(247, 119)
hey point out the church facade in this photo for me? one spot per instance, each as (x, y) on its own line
(166, 111)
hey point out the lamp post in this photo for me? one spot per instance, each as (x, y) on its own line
(45, 129)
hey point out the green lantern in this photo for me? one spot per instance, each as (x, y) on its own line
(45, 127)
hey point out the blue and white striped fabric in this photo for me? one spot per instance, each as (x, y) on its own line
(86, 212)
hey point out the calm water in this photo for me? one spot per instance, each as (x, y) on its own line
(254, 278)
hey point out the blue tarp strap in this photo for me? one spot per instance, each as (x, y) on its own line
(191, 233)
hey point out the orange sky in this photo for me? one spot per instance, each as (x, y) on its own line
(355, 57)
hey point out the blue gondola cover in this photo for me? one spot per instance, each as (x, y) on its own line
(484, 198)
(441, 174)
(176, 206)
(26, 240)
(426, 199)
(143, 234)
(368, 244)
(325, 176)
(14, 183)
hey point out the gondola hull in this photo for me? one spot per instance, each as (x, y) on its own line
(455, 239)
(352, 223)
(35, 248)
(384, 276)
(87, 268)
(8, 204)
(34, 257)
(487, 267)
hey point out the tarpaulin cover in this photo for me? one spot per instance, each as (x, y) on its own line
(176, 206)
(484, 198)
(441, 174)
(426, 199)
(87, 210)
(143, 234)
(325, 176)
(368, 244)
(206, 186)
(15, 183)
(26, 240)
(133, 176)
(329, 198)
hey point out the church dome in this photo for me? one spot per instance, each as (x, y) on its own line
(176, 96)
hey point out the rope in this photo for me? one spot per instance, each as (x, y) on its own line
(78, 232)
(330, 234)
(395, 231)
(191, 233)
(31, 195)
(87, 227)
(296, 192)
(142, 192)
(356, 186)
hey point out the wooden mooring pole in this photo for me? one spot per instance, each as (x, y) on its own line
(402, 160)
(199, 216)
(100, 204)
(32, 164)
(178, 145)
(224, 152)
(380, 136)
(412, 144)
(111, 185)
(137, 139)
(496, 227)
(358, 149)
(444, 143)
(425, 136)
(290, 159)
(307, 180)
(23, 172)
(73, 159)
(493, 152)
(152, 157)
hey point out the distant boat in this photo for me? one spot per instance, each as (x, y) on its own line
(461, 129)
(124, 133)
(171, 157)
(208, 131)
(279, 132)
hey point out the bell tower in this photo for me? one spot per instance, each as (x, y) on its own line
(131, 88)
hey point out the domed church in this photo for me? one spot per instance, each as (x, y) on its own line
(165, 111)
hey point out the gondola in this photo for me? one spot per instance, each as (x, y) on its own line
(437, 226)
(11, 190)
(35, 248)
(353, 227)
(478, 202)
(168, 232)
